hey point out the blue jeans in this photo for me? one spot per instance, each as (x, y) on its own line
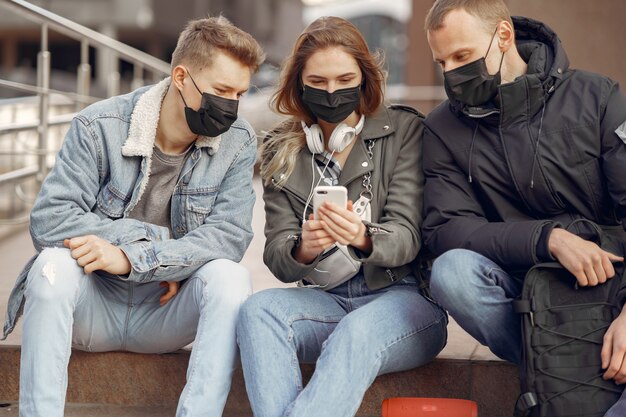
(65, 307)
(479, 295)
(351, 333)
(619, 408)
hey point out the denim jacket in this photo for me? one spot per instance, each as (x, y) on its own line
(101, 172)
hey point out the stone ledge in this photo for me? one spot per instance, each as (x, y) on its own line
(129, 379)
(106, 410)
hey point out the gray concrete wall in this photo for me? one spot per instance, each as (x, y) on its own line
(592, 32)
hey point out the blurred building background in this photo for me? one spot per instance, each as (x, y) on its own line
(149, 25)
(593, 34)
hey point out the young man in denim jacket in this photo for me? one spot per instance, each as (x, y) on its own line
(150, 190)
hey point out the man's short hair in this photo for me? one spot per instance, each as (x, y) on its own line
(198, 41)
(490, 12)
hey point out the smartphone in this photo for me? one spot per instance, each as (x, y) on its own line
(337, 194)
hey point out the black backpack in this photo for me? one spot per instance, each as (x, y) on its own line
(563, 326)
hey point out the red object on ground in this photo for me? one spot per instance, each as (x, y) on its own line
(429, 407)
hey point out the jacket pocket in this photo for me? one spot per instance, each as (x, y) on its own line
(199, 206)
(111, 201)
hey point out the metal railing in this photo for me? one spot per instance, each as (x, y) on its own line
(33, 161)
(142, 63)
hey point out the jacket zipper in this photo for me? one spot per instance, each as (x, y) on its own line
(508, 165)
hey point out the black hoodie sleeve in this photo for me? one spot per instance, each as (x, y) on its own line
(613, 131)
(454, 217)
(614, 146)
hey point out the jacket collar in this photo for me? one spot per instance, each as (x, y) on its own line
(521, 99)
(377, 125)
(554, 62)
(145, 119)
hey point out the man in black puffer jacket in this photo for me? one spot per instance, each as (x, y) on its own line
(523, 147)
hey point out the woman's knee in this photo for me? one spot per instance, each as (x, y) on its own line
(54, 275)
(275, 308)
(353, 332)
(258, 307)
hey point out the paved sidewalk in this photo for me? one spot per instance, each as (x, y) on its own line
(16, 248)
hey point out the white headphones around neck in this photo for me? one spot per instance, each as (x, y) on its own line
(340, 138)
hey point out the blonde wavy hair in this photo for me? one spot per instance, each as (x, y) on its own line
(281, 146)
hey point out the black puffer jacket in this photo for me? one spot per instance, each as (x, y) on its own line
(495, 186)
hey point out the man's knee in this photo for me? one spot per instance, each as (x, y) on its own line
(455, 274)
(54, 275)
(225, 279)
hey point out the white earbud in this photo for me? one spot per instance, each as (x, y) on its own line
(340, 138)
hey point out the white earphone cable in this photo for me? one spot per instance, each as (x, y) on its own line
(357, 130)
(310, 197)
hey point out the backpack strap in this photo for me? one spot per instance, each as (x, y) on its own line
(524, 404)
(609, 238)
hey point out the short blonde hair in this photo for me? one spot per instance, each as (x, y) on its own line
(490, 12)
(200, 38)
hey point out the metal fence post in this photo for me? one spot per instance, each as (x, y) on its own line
(84, 73)
(137, 77)
(43, 81)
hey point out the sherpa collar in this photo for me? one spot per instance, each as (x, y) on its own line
(144, 122)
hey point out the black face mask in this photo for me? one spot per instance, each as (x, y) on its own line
(215, 115)
(331, 107)
(472, 84)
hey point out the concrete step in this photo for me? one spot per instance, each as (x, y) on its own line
(106, 410)
(121, 383)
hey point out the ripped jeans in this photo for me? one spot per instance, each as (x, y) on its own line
(67, 308)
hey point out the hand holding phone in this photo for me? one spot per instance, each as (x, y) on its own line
(337, 194)
(342, 224)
